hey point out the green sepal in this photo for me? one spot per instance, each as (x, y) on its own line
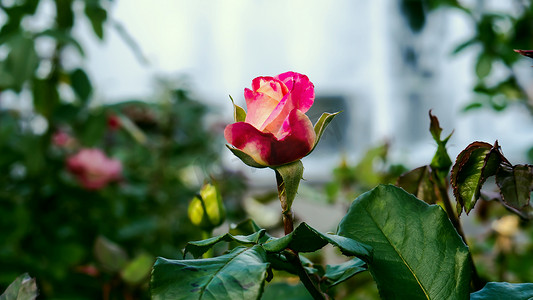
(291, 174)
(239, 115)
(247, 159)
(321, 125)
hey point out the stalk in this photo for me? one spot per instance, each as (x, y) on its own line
(288, 223)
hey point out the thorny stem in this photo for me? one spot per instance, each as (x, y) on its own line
(294, 259)
(477, 282)
(288, 225)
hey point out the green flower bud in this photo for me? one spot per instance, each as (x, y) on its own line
(206, 209)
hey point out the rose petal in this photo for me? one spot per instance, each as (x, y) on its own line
(249, 139)
(301, 96)
(297, 140)
(260, 107)
(301, 89)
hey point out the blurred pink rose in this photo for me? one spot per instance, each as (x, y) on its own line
(276, 130)
(93, 168)
(62, 139)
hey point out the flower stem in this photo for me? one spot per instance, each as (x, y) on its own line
(288, 224)
(294, 259)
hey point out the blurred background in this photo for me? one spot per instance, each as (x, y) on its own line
(146, 84)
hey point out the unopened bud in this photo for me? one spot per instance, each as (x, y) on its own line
(206, 209)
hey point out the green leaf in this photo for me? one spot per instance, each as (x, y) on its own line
(109, 255)
(97, 15)
(239, 115)
(81, 84)
(64, 14)
(342, 272)
(464, 45)
(473, 166)
(20, 64)
(303, 239)
(245, 227)
(247, 159)
(504, 290)
(414, 11)
(418, 182)
(307, 239)
(45, 96)
(417, 252)
(291, 174)
(138, 269)
(321, 125)
(240, 274)
(197, 248)
(483, 65)
(441, 162)
(515, 183)
(23, 287)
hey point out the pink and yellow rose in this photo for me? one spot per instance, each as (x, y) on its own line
(276, 130)
(93, 169)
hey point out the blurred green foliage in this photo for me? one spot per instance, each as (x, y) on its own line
(91, 244)
(496, 34)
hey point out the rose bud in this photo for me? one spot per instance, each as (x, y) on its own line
(206, 210)
(276, 130)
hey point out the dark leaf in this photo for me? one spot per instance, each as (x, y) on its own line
(473, 166)
(97, 15)
(418, 182)
(415, 14)
(336, 274)
(64, 14)
(515, 183)
(417, 252)
(45, 96)
(81, 84)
